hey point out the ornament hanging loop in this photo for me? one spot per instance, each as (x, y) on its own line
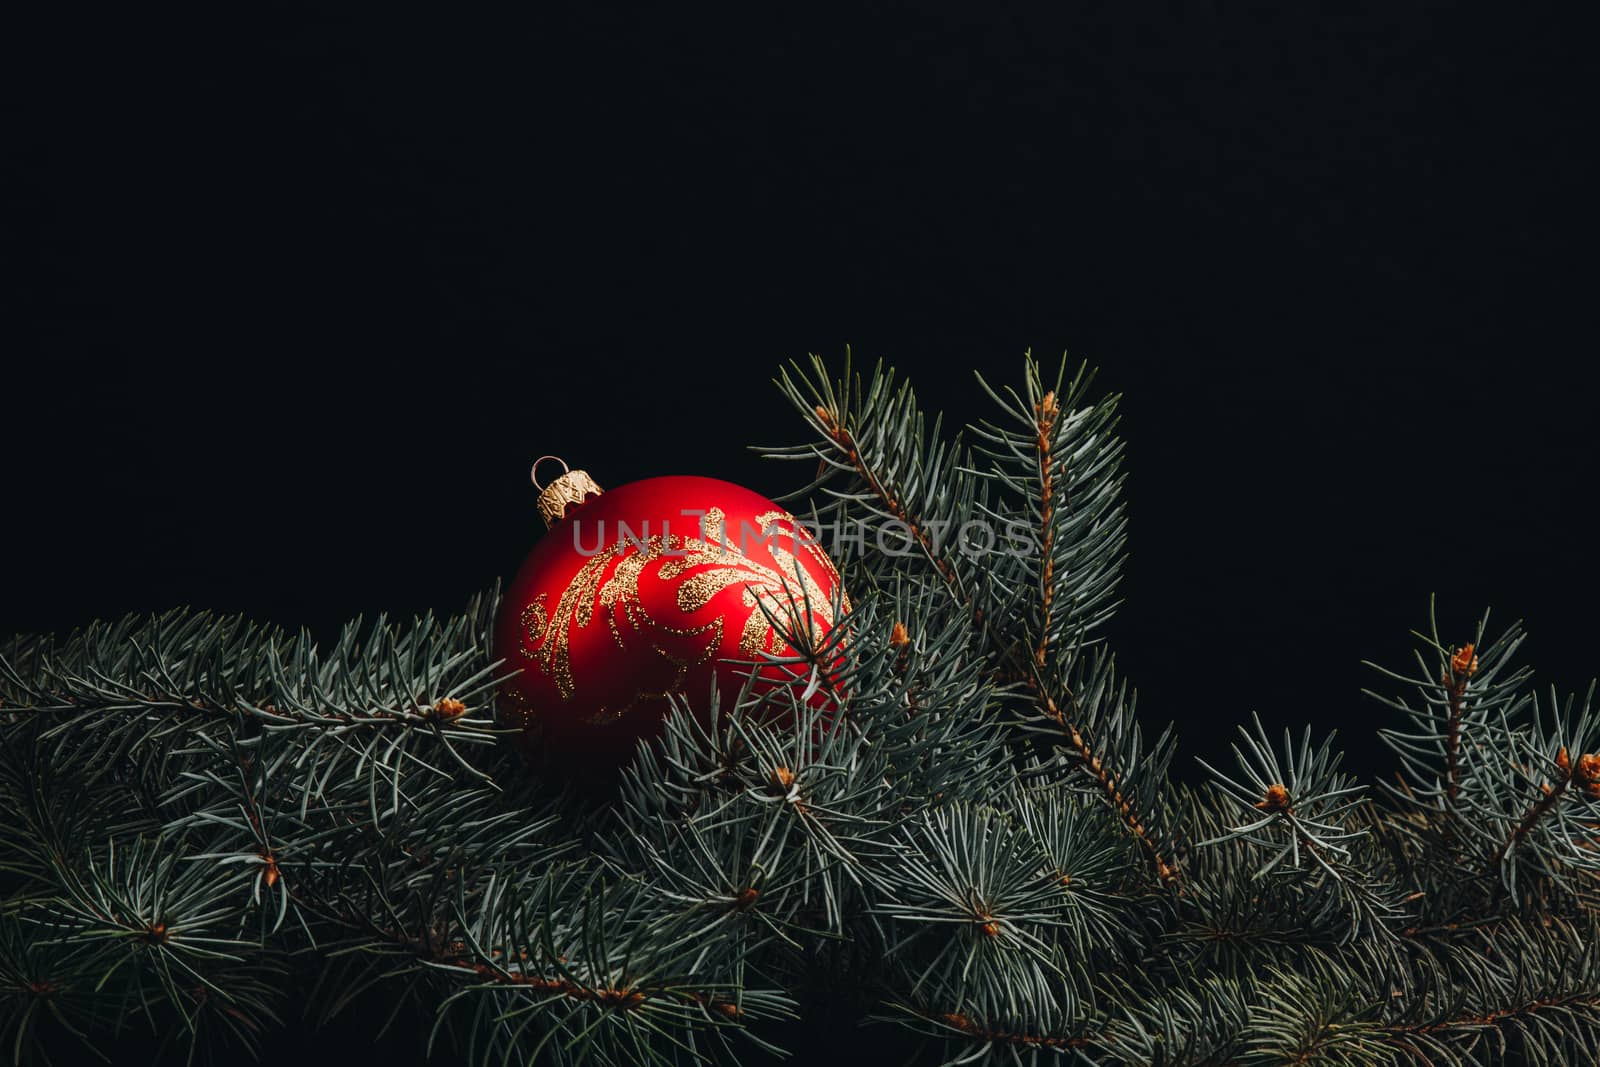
(534, 473)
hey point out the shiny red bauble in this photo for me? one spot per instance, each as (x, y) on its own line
(650, 589)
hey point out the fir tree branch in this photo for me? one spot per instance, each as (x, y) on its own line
(1500, 1016)
(880, 485)
(1536, 811)
(978, 1032)
(1460, 670)
(1023, 665)
(1046, 412)
(1167, 869)
(1461, 697)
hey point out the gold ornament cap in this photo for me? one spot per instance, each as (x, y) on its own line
(570, 489)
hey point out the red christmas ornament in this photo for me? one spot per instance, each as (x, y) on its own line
(646, 590)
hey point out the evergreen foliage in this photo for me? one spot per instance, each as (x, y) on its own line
(975, 846)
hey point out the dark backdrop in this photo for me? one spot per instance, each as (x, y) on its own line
(302, 295)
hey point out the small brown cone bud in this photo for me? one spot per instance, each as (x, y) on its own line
(449, 708)
(1563, 760)
(1045, 412)
(900, 641)
(1276, 799)
(1464, 662)
(783, 778)
(1587, 775)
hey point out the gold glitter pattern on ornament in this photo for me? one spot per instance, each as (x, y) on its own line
(702, 568)
(814, 550)
(515, 705)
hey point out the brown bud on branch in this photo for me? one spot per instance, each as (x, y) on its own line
(1275, 800)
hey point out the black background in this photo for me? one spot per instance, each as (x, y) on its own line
(302, 295)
